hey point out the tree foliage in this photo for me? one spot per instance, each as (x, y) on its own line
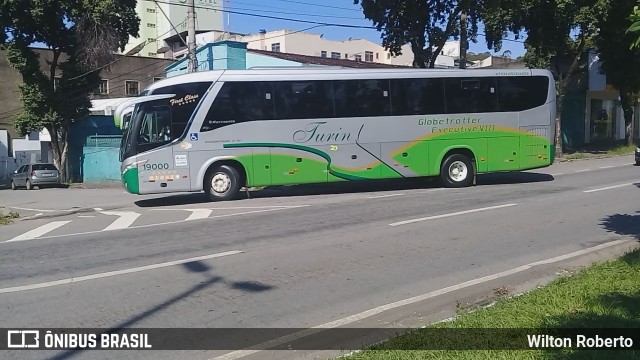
(634, 28)
(424, 24)
(82, 36)
(620, 60)
(558, 34)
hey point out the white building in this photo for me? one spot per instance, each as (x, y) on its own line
(158, 19)
(309, 44)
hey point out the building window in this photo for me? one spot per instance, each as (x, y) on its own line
(388, 55)
(151, 25)
(132, 88)
(103, 88)
(323, 54)
(335, 55)
(358, 57)
(377, 56)
(157, 79)
(275, 47)
(151, 10)
(151, 54)
(368, 56)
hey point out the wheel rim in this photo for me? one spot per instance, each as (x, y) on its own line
(220, 183)
(458, 171)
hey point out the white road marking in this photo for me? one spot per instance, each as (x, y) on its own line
(380, 309)
(608, 188)
(430, 190)
(196, 214)
(124, 220)
(384, 196)
(86, 216)
(172, 222)
(29, 209)
(556, 174)
(584, 170)
(97, 209)
(39, 231)
(451, 214)
(115, 273)
(607, 167)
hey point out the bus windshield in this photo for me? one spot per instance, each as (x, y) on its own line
(150, 127)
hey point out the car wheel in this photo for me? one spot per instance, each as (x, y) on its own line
(456, 171)
(29, 186)
(222, 183)
(13, 185)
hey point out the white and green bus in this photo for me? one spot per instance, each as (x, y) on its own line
(220, 131)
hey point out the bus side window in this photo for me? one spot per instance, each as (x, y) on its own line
(471, 95)
(519, 93)
(417, 96)
(362, 98)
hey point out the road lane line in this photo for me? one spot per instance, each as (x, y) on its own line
(197, 214)
(28, 209)
(115, 273)
(384, 196)
(124, 220)
(380, 309)
(556, 174)
(607, 188)
(607, 167)
(451, 214)
(169, 222)
(579, 171)
(39, 231)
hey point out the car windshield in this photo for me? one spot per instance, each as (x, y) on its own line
(43, 167)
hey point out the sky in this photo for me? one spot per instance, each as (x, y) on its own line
(328, 11)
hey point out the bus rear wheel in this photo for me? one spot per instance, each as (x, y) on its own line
(222, 183)
(456, 171)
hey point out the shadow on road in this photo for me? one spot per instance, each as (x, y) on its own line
(513, 178)
(623, 224)
(208, 282)
(351, 187)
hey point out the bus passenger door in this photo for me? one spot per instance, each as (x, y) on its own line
(298, 166)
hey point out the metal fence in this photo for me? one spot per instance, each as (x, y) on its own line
(108, 141)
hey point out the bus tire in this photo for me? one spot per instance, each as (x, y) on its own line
(222, 183)
(456, 171)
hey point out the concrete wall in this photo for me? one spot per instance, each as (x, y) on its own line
(254, 60)
(100, 164)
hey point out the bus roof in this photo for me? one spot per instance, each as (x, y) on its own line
(318, 73)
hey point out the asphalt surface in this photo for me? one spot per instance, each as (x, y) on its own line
(299, 257)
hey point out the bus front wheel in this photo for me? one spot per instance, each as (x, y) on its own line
(456, 171)
(222, 183)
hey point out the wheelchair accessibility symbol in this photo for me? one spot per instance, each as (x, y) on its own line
(194, 136)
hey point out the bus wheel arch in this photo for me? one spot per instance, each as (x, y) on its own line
(458, 168)
(223, 180)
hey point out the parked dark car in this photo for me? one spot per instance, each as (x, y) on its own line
(638, 156)
(35, 175)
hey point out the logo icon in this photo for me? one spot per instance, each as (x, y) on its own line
(23, 339)
(193, 136)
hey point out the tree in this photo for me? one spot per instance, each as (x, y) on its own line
(634, 28)
(558, 34)
(82, 36)
(620, 60)
(425, 25)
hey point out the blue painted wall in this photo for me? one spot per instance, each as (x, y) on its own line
(100, 164)
(254, 60)
(220, 55)
(84, 134)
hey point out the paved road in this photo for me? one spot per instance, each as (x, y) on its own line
(305, 256)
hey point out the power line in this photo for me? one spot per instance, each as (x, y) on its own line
(319, 5)
(239, 9)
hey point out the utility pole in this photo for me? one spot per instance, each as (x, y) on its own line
(191, 35)
(463, 38)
